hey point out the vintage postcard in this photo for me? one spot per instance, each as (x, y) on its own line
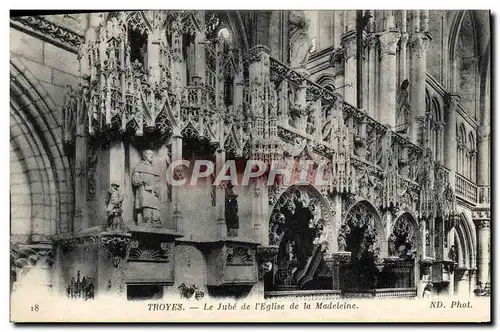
(250, 166)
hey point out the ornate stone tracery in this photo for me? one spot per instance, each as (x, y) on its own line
(300, 226)
(404, 240)
(368, 234)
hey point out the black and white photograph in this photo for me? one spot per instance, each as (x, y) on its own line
(250, 165)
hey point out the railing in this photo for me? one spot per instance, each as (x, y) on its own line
(465, 189)
(326, 294)
(395, 293)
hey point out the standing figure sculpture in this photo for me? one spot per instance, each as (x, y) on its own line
(300, 44)
(342, 238)
(114, 209)
(146, 183)
(231, 211)
(392, 245)
(403, 109)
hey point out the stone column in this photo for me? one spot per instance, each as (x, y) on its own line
(199, 49)
(482, 221)
(388, 71)
(403, 72)
(81, 220)
(462, 289)
(259, 79)
(176, 142)
(418, 64)
(337, 29)
(349, 44)
(260, 211)
(220, 195)
(372, 75)
(483, 154)
(450, 149)
(337, 62)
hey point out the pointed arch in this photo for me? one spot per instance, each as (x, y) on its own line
(461, 149)
(406, 233)
(364, 214)
(471, 157)
(36, 137)
(464, 59)
(301, 226)
(437, 126)
(466, 241)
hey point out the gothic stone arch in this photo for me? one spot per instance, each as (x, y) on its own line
(37, 141)
(405, 239)
(465, 239)
(364, 218)
(301, 226)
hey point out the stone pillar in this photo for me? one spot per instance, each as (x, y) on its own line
(220, 195)
(450, 149)
(338, 64)
(176, 142)
(283, 102)
(372, 75)
(81, 219)
(317, 119)
(260, 211)
(338, 259)
(337, 29)
(483, 154)
(259, 79)
(199, 49)
(388, 71)
(153, 54)
(349, 44)
(482, 221)
(266, 261)
(403, 72)
(418, 46)
(462, 288)
(415, 20)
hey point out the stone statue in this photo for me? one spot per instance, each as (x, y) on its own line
(453, 254)
(114, 209)
(341, 240)
(146, 183)
(231, 211)
(449, 200)
(403, 108)
(392, 245)
(427, 290)
(300, 44)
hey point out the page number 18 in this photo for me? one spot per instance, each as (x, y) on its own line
(35, 307)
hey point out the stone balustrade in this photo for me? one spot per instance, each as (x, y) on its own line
(465, 189)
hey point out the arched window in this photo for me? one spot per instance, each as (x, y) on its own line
(466, 65)
(436, 132)
(461, 150)
(471, 154)
(327, 82)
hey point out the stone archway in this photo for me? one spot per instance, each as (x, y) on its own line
(363, 226)
(36, 139)
(362, 234)
(405, 240)
(462, 250)
(301, 227)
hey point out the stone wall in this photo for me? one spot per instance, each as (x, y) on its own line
(39, 73)
(54, 67)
